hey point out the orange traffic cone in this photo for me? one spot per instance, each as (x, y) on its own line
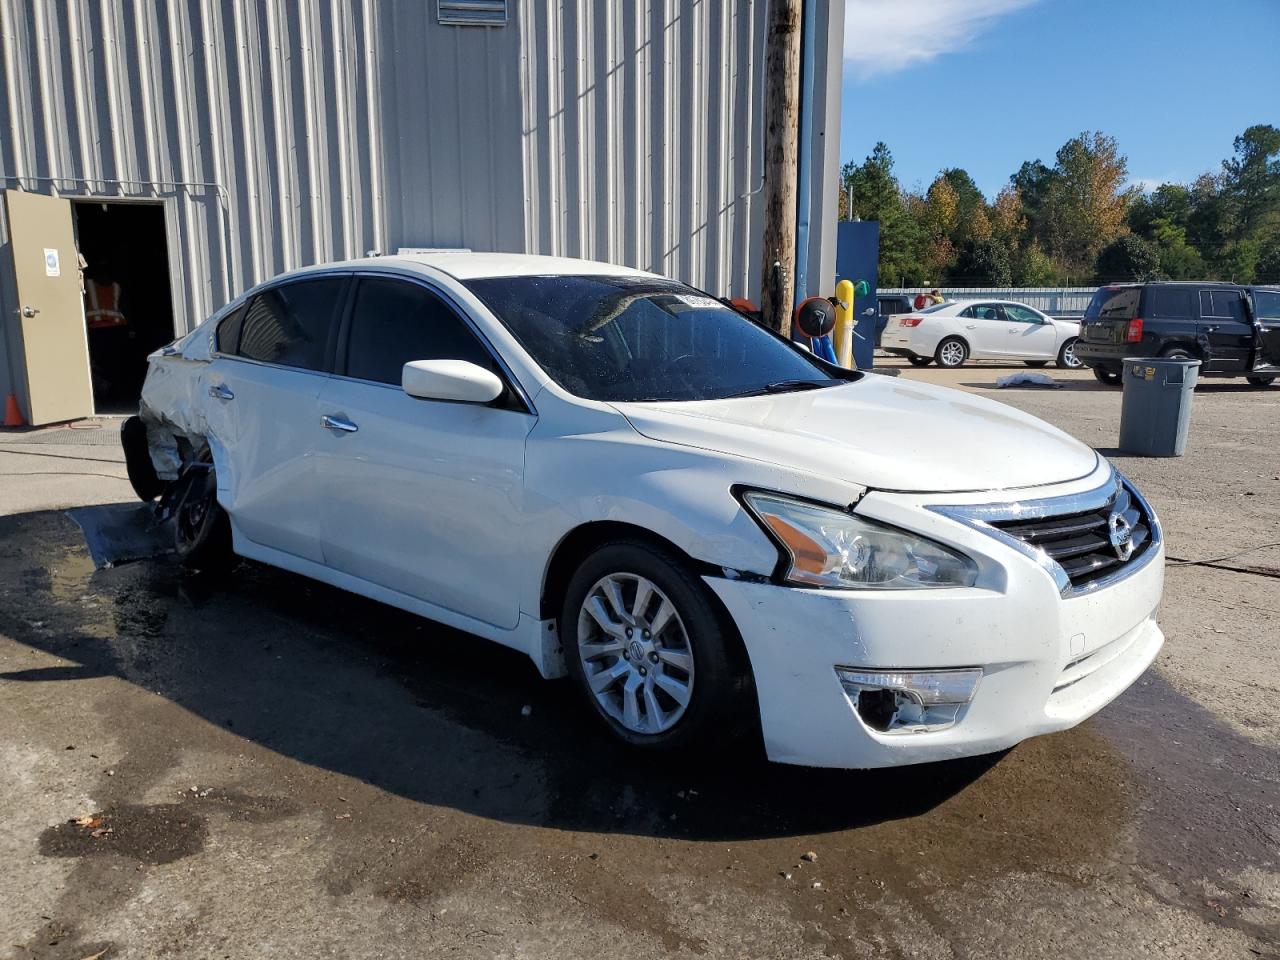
(13, 413)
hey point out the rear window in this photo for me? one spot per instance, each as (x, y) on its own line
(1172, 303)
(1114, 303)
(1266, 304)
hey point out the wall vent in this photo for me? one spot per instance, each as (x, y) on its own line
(472, 13)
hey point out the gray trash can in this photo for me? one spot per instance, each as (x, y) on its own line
(1156, 410)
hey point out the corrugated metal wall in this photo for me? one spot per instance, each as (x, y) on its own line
(285, 132)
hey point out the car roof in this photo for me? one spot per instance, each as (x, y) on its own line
(465, 265)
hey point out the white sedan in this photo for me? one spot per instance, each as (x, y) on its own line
(959, 330)
(711, 532)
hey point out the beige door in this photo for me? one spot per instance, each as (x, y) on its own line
(46, 270)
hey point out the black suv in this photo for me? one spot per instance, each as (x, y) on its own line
(1233, 330)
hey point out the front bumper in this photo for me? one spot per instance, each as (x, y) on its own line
(1048, 662)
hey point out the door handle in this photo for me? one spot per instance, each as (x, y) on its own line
(30, 311)
(220, 391)
(340, 424)
(970, 326)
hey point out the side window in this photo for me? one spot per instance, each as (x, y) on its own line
(1170, 303)
(1020, 314)
(1222, 304)
(988, 311)
(967, 313)
(1266, 305)
(291, 324)
(228, 336)
(395, 321)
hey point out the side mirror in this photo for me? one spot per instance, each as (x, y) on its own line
(458, 380)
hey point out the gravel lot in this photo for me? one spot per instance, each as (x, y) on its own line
(275, 768)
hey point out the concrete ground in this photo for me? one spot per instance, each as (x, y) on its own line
(267, 767)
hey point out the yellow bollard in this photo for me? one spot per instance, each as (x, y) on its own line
(843, 333)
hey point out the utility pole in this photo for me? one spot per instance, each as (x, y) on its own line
(781, 122)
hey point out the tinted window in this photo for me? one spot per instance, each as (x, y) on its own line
(1222, 304)
(291, 324)
(394, 322)
(229, 329)
(1020, 314)
(1113, 303)
(640, 338)
(1266, 303)
(1171, 303)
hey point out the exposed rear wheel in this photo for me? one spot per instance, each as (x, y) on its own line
(201, 529)
(137, 460)
(952, 352)
(1112, 378)
(651, 652)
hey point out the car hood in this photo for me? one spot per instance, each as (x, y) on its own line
(878, 432)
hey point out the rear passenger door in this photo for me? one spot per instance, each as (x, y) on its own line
(1225, 324)
(984, 326)
(422, 497)
(261, 391)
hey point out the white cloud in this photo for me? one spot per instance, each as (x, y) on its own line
(884, 36)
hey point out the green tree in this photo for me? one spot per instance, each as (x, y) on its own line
(1178, 259)
(1033, 268)
(984, 262)
(876, 195)
(1267, 269)
(1086, 200)
(1128, 258)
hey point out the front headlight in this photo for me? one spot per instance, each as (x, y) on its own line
(830, 548)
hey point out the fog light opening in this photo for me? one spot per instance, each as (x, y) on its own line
(918, 701)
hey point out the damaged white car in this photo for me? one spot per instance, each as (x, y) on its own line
(707, 528)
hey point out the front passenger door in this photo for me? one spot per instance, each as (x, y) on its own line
(1029, 334)
(422, 497)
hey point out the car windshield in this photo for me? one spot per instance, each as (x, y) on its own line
(641, 338)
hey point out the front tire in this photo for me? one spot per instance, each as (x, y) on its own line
(652, 654)
(1067, 356)
(952, 352)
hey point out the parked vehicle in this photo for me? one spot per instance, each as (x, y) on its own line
(953, 332)
(707, 528)
(1233, 330)
(886, 307)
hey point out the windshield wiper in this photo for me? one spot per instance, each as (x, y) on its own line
(783, 386)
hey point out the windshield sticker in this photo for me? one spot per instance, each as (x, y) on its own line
(699, 301)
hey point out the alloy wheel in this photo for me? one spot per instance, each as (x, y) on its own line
(1069, 356)
(635, 653)
(952, 354)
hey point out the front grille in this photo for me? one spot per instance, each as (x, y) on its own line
(1090, 544)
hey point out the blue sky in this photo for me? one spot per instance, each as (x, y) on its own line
(986, 84)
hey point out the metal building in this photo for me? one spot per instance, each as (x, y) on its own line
(200, 146)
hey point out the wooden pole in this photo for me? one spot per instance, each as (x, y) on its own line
(781, 123)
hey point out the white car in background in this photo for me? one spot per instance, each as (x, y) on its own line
(710, 531)
(959, 330)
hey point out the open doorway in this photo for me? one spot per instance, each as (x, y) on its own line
(127, 304)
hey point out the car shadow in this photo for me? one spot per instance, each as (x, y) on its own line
(432, 714)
